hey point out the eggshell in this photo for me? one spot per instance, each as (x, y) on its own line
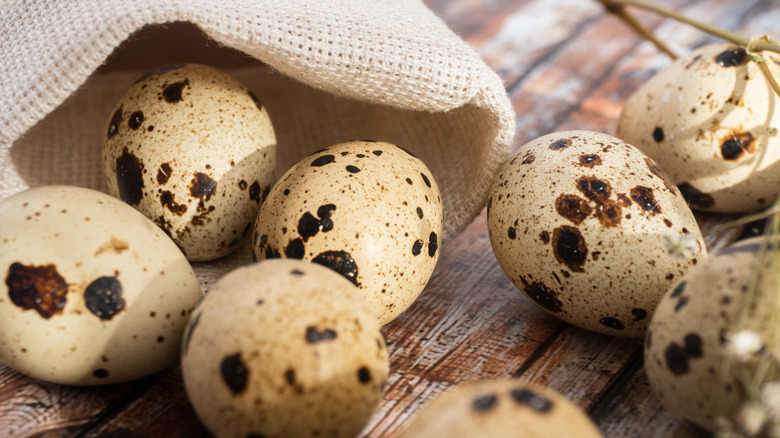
(194, 150)
(368, 210)
(501, 408)
(579, 222)
(94, 292)
(686, 353)
(284, 348)
(711, 121)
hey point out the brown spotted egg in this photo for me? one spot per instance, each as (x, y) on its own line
(284, 348)
(93, 293)
(368, 210)
(711, 121)
(582, 224)
(501, 408)
(690, 362)
(194, 150)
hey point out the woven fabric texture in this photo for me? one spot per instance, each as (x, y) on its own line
(339, 70)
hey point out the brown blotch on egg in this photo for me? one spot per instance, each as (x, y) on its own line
(164, 173)
(644, 197)
(39, 288)
(573, 208)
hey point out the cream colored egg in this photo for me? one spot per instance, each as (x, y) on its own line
(194, 150)
(583, 224)
(284, 348)
(93, 293)
(694, 357)
(501, 409)
(711, 121)
(368, 210)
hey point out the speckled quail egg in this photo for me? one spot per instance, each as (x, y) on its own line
(710, 120)
(93, 291)
(582, 223)
(194, 150)
(501, 409)
(284, 348)
(693, 352)
(368, 210)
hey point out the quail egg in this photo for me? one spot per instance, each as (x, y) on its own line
(93, 292)
(591, 230)
(368, 210)
(710, 119)
(194, 150)
(284, 348)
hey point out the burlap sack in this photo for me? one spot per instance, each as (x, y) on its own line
(327, 71)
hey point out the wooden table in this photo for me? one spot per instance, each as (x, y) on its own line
(566, 64)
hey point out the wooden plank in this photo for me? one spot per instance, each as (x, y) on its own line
(29, 406)
(560, 86)
(572, 67)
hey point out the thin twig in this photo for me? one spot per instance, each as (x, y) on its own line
(620, 12)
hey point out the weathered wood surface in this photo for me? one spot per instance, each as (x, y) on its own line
(566, 65)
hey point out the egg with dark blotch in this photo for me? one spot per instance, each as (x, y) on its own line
(284, 348)
(501, 408)
(194, 150)
(369, 210)
(710, 120)
(93, 292)
(689, 362)
(582, 223)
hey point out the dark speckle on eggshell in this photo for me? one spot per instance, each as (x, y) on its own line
(190, 330)
(234, 373)
(569, 247)
(612, 322)
(323, 160)
(695, 197)
(678, 357)
(542, 296)
(173, 92)
(433, 244)
(364, 375)
(129, 177)
(560, 144)
(314, 336)
(658, 134)
(417, 247)
(103, 297)
(136, 120)
(731, 57)
(116, 121)
(484, 403)
(526, 397)
(426, 180)
(296, 249)
(341, 262)
(254, 192)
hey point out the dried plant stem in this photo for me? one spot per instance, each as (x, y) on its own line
(620, 12)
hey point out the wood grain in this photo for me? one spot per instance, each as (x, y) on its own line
(567, 65)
